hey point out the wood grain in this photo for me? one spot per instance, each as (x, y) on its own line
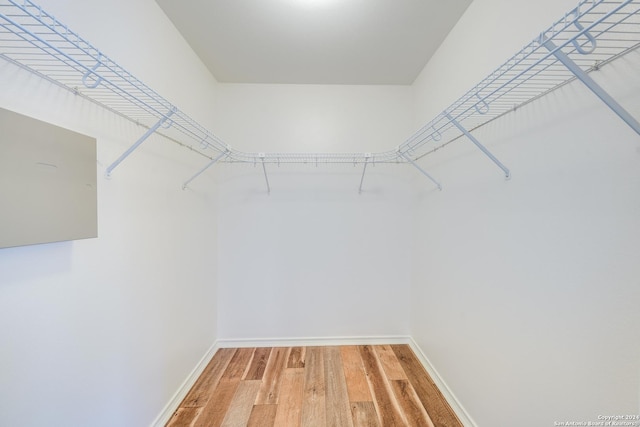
(263, 416)
(290, 407)
(270, 388)
(432, 399)
(414, 412)
(258, 364)
(241, 405)
(216, 409)
(364, 414)
(386, 406)
(338, 410)
(359, 386)
(184, 417)
(389, 362)
(296, 357)
(313, 404)
(238, 364)
(200, 393)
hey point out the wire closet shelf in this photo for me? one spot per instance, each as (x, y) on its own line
(584, 39)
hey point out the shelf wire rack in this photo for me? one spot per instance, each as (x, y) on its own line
(589, 36)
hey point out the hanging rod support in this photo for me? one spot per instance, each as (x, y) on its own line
(591, 84)
(207, 166)
(264, 169)
(146, 135)
(364, 169)
(477, 143)
(422, 171)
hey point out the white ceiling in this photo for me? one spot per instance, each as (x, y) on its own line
(315, 41)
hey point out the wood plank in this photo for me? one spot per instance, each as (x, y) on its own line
(296, 357)
(238, 364)
(357, 385)
(258, 364)
(432, 399)
(200, 393)
(215, 410)
(338, 411)
(270, 388)
(410, 403)
(334, 386)
(184, 417)
(390, 363)
(242, 404)
(289, 411)
(364, 414)
(263, 416)
(386, 405)
(313, 406)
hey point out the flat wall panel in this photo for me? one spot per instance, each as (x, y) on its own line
(48, 188)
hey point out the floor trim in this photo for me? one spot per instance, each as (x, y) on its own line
(457, 407)
(318, 341)
(167, 412)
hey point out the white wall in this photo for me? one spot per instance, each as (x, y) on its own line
(314, 258)
(525, 292)
(102, 332)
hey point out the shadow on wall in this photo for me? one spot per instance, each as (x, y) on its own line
(45, 260)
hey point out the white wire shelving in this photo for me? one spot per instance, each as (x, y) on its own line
(584, 39)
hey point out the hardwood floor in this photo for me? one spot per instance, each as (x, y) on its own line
(377, 385)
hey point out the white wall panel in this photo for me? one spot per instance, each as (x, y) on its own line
(527, 305)
(102, 332)
(314, 258)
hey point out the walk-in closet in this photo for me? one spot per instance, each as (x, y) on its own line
(319, 212)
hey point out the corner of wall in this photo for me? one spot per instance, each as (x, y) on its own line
(167, 412)
(457, 407)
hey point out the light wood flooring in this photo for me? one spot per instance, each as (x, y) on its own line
(370, 385)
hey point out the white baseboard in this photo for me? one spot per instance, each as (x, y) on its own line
(167, 412)
(457, 407)
(323, 341)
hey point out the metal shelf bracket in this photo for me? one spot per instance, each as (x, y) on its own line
(207, 166)
(264, 170)
(422, 171)
(586, 79)
(367, 156)
(140, 140)
(477, 143)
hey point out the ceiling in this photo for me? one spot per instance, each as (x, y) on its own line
(372, 42)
